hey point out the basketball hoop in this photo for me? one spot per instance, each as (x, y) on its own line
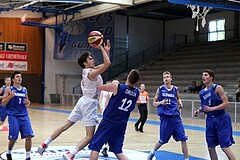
(199, 14)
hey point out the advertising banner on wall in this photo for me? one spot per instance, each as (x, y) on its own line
(13, 56)
(74, 41)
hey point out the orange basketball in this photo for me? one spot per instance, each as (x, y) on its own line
(95, 38)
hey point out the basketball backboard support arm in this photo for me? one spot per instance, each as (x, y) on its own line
(59, 28)
(227, 4)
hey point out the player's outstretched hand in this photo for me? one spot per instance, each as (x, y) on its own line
(96, 46)
(107, 46)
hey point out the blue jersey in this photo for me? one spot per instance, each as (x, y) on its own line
(119, 106)
(171, 107)
(16, 106)
(210, 98)
(3, 110)
(4, 87)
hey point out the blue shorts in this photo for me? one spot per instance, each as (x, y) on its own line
(171, 126)
(110, 133)
(219, 131)
(3, 113)
(19, 124)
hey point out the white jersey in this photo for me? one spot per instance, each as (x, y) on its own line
(87, 106)
(89, 88)
(105, 96)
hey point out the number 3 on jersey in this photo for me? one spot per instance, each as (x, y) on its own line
(125, 104)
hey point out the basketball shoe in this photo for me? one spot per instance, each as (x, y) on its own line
(104, 152)
(42, 148)
(150, 156)
(9, 157)
(68, 156)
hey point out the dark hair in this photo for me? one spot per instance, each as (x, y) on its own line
(133, 76)
(14, 73)
(210, 72)
(6, 77)
(83, 58)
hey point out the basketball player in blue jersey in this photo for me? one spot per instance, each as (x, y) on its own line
(16, 101)
(112, 128)
(87, 106)
(167, 101)
(3, 109)
(218, 122)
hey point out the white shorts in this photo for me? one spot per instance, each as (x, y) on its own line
(85, 110)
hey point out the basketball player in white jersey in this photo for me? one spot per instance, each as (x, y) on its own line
(87, 106)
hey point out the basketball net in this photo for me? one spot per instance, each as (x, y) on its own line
(200, 15)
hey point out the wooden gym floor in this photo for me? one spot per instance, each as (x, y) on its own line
(45, 118)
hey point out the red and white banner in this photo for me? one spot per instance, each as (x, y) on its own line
(13, 56)
(13, 65)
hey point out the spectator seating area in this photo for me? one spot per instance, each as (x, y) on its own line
(186, 65)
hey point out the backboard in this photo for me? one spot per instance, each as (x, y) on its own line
(221, 4)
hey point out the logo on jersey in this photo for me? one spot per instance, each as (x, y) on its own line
(56, 152)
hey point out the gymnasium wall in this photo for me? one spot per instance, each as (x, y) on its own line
(188, 26)
(57, 72)
(13, 31)
(142, 33)
(60, 76)
(229, 23)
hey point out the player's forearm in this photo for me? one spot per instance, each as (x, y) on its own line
(106, 59)
(6, 100)
(180, 102)
(221, 106)
(199, 110)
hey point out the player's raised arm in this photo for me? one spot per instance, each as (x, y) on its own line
(106, 61)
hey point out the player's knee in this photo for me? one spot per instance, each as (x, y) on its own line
(28, 138)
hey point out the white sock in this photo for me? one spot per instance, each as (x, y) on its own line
(9, 151)
(153, 152)
(28, 154)
(74, 151)
(186, 159)
(48, 141)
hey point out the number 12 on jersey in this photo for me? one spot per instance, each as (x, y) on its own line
(125, 104)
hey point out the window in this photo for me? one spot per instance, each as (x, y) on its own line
(216, 30)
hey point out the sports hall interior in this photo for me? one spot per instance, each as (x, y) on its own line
(150, 35)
